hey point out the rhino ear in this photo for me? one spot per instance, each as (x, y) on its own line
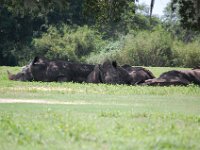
(98, 67)
(38, 60)
(8, 72)
(114, 63)
(35, 60)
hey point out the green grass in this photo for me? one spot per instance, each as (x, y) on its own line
(113, 116)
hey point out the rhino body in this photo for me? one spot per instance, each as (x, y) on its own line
(138, 74)
(110, 73)
(175, 77)
(41, 69)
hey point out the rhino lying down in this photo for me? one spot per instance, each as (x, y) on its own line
(138, 74)
(41, 69)
(174, 77)
(109, 72)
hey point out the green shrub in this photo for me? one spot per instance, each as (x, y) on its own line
(148, 49)
(143, 48)
(68, 43)
(187, 55)
(110, 51)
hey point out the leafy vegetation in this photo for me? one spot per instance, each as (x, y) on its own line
(188, 11)
(150, 48)
(67, 43)
(91, 31)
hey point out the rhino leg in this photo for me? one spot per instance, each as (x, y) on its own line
(163, 82)
(63, 79)
(94, 76)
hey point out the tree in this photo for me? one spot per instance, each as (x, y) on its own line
(189, 11)
(23, 20)
(105, 14)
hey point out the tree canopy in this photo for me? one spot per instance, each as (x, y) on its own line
(78, 29)
(189, 11)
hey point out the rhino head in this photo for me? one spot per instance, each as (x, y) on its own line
(30, 71)
(24, 75)
(109, 73)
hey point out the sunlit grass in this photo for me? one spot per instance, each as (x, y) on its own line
(65, 126)
(113, 116)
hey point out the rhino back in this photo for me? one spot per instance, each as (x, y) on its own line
(71, 71)
(192, 75)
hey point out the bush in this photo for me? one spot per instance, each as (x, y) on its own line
(187, 55)
(110, 51)
(145, 48)
(68, 43)
(142, 48)
(148, 49)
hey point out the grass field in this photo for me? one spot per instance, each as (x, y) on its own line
(100, 117)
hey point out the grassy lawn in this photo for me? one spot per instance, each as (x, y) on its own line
(112, 117)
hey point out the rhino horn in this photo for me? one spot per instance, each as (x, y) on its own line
(10, 75)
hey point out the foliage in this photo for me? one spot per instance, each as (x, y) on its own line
(22, 21)
(148, 49)
(32, 7)
(155, 48)
(171, 21)
(19, 25)
(187, 55)
(14, 33)
(142, 48)
(110, 51)
(92, 31)
(137, 21)
(65, 42)
(189, 11)
(106, 14)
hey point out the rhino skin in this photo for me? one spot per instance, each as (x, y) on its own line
(138, 74)
(24, 75)
(42, 69)
(109, 73)
(176, 77)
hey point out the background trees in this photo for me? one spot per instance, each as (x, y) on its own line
(83, 30)
(189, 11)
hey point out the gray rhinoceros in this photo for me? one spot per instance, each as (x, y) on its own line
(176, 77)
(42, 69)
(138, 74)
(110, 73)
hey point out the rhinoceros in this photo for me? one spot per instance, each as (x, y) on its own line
(24, 75)
(138, 74)
(176, 77)
(110, 73)
(42, 69)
